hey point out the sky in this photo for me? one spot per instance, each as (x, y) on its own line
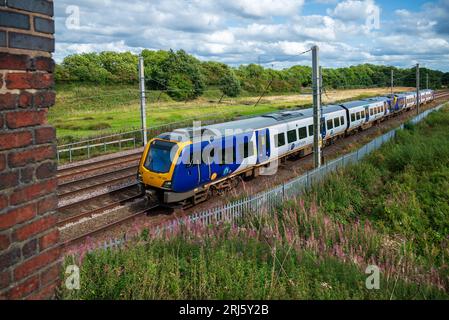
(273, 33)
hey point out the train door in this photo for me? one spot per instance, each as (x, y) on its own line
(205, 165)
(191, 168)
(263, 145)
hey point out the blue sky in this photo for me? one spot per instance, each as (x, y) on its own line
(274, 32)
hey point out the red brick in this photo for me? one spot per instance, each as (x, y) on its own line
(5, 279)
(22, 119)
(31, 156)
(29, 249)
(32, 192)
(44, 135)
(17, 216)
(8, 101)
(24, 289)
(4, 242)
(48, 204)
(3, 202)
(9, 258)
(9, 180)
(25, 99)
(2, 121)
(14, 61)
(26, 175)
(2, 162)
(29, 80)
(49, 240)
(44, 64)
(13, 140)
(1, 80)
(34, 228)
(46, 170)
(44, 99)
(45, 293)
(51, 274)
(36, 263)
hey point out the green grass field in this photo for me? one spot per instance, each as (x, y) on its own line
(391, 210)
(83, 111)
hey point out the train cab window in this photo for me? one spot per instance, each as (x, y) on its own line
(311, 130)
(353, 117)
(279, 140)
(330, 125)
(302, 133)
(292, 136)
(342, 120)
(336, 122)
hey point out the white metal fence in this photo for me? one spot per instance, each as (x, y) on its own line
(270, 199)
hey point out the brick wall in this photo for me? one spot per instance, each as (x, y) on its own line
(29, 254)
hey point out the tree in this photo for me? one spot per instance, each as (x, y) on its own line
(230, 85)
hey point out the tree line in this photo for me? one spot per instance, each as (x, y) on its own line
(184, 77)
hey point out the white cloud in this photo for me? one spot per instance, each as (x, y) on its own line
(354, 10)
(244, 31)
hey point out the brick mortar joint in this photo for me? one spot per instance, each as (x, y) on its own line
(28, 32)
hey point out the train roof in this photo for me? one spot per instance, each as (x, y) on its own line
(357, 104)
(377, 99)
(254, 123)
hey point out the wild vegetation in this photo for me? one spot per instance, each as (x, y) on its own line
(391, 210)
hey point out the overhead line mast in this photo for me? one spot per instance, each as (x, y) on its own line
(316, 83)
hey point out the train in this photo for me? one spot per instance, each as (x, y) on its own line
(188, 165)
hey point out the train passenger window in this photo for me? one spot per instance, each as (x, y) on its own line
(371, 112)
(336, 122)
(228, 156)
(353, 117)
(292, 136)
(330, 125)
(363, 114)
(302, 133)
(358, 116)
(248, 149)
(342, 120)
(311, 130)
(279, 140)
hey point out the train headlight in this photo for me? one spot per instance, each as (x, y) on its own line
(139, 178)
(167, 185)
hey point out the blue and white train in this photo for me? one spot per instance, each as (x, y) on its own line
(186, 166)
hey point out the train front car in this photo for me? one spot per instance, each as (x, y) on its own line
(158, 164)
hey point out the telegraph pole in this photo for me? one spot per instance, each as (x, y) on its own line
(316, 83)
(143, 115)
(392, 81)
(417, 89)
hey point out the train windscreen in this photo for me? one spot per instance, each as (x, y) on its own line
(160, 156)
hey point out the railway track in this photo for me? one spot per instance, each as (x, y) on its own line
(73, 188)
(75, 212)
(83, 168)
(109, 200)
